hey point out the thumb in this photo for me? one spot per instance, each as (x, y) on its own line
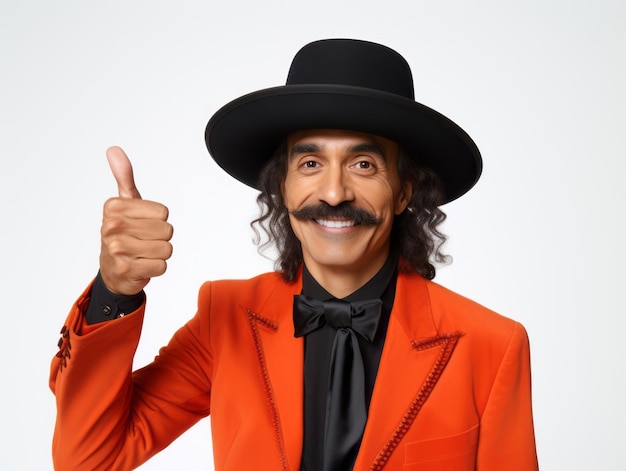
(123, 173)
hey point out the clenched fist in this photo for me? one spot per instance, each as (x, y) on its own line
(135, 233)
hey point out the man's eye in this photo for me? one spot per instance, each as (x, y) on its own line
(364, 165)
(310, 164)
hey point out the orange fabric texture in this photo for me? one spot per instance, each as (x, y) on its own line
(453, 389)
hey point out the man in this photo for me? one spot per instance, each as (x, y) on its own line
(347, 357)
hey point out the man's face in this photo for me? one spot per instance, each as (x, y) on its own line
(347, 187)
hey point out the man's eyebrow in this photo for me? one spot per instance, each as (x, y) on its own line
(368, 147)
(304, 148)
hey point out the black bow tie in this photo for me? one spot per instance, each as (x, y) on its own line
(361, 316)
(346, 412)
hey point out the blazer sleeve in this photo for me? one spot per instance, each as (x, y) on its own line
(111, 418)
(507, 439)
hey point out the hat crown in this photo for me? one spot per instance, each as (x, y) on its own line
(350, 62)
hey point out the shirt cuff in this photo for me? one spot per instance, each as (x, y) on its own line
(105, 305)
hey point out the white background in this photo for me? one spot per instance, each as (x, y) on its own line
(537, 84)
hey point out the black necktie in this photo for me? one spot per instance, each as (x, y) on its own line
(346, 413)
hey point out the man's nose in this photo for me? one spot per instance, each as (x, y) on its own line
(336, 187)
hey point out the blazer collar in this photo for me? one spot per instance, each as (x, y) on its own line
(417, 349)
(280, 360)
(418, 345)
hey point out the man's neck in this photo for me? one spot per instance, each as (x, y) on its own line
(342, 282)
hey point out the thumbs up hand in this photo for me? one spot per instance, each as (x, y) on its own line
(135, 233)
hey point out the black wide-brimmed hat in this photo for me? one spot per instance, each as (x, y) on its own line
(342, 84)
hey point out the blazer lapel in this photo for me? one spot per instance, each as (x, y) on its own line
(415, 354)
(280, 360)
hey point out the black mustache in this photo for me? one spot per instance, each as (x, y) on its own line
(342, 211)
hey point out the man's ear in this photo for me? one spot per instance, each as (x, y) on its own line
(404, 197)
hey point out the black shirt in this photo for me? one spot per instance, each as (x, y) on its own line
(317, 350)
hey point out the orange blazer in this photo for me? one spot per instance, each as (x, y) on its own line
(452, 393)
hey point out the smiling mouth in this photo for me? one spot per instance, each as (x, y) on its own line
(335, 223)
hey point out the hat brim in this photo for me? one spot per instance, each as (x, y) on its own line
(246, 132)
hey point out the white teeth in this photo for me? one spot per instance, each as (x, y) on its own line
(334, 223)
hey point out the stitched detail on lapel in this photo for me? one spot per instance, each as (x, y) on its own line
(424, 344)
(254, 320)
(262, 320)
(447, 342)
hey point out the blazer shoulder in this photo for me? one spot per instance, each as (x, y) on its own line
(467, 314)
(253, 293)
(486, 333)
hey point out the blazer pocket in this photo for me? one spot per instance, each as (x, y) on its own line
(453, 453)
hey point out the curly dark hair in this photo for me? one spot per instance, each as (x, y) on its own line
(415, 236)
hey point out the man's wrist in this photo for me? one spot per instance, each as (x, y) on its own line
(105, 305)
